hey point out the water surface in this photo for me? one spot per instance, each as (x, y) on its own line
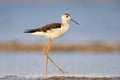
(73, 63)
(98, 22)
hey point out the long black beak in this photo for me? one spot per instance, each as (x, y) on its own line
(74, 21)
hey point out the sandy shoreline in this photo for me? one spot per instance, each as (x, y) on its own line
(96, 47)
(59, 77)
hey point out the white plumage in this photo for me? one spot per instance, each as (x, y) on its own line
(53, 33)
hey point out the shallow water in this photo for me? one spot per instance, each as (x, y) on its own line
(73, 63)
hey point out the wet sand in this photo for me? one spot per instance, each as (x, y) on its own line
(14, 77)
(97, 47)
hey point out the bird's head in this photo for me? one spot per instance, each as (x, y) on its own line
(67, 17)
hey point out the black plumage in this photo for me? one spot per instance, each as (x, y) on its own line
(44, 28)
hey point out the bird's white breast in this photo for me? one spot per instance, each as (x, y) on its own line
(53, 33)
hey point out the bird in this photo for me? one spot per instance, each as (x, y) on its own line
(52, 31)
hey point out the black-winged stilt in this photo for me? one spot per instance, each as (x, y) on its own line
(52, 31)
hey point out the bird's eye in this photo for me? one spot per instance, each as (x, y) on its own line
(67, 16)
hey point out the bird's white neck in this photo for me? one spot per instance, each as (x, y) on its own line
(65, 22)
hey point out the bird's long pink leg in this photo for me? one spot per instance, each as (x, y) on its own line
(51, 59)
(45, 51)
(46, 57)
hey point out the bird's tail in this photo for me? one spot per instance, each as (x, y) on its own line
(29, 31)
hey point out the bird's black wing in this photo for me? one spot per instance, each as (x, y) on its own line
(44, 28)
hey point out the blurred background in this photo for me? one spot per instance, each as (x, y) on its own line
(99, 19)
(98, 32)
